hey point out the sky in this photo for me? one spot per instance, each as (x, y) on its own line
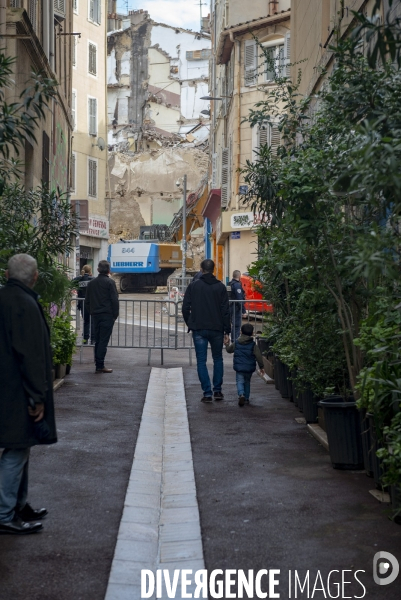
(180, 13)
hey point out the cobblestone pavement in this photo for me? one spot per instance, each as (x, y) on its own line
(268, 497)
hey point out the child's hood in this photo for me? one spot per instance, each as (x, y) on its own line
(245, 339)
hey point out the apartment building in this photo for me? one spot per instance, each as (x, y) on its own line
(317, 25)
(89, 135)
(238, 80)
(38, 33)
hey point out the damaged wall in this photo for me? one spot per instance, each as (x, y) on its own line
(156, 77)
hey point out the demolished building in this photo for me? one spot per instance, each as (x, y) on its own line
(157, 75)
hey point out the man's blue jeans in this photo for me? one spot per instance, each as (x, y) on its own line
(201, 339)
(244, 384)
(13, 481)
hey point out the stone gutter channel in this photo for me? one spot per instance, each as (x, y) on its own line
(160, 527)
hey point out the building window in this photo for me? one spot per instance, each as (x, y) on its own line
(92, 177)
(92, 63)
(74, 109)
(199, 54)
(265, 134)
(45, 159)
(95, 11)
(92, 107)
(275, 64)
(73, 181)
(75, 6)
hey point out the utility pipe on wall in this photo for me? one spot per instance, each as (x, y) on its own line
(46, 28)
(184, 231)
(51, 34)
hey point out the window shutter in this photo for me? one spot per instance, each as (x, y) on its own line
(251, 62)
(263, 136)
(92, 67)
(92, 116)
(274, 138)
(225, 175)
(287, 54)
(74, 50)
(59, 7)
(32, 12)
(45, 159)
(214, 171)
(92, 178)
(14, 3)
(92, 10)
(74, 109)
(99, 11)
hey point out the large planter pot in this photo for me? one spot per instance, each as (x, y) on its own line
(264, 345)
(310, 406)
(320, 418)
(282, 381)
(67, 369)
(60, 371)
(276, 373)
(343, 428)
(268, 366)
(300, 399)
(293, 375)
(395, 492)
(375, 445)
(366, 443)
(287, 375)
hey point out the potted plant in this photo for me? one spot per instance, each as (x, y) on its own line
(63, 341)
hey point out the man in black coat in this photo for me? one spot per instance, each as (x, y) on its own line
(82, 282)
(206, 312)
(101, 302)
(237, 308)
(26, 399)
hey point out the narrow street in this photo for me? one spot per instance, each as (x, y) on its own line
(268, 497)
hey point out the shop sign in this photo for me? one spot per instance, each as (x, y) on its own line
(246, 220)
(218, 228)
(98, 227)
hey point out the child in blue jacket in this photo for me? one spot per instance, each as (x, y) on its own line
(246, 355)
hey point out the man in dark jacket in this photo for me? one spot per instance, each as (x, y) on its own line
(206, 312)
(26, 398)
(82, 282)
(101, 302)
(237, 308)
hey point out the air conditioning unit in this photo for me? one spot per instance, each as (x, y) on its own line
(59, 8)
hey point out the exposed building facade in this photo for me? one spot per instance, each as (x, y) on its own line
(89, 141)
(38, 35)
(157, 75)
(239, 79)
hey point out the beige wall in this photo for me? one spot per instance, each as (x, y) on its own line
(313, 22)
(86, 85)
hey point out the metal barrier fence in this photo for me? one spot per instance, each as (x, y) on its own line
(180, 283)
(159, 325)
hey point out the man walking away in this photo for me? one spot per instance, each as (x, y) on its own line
(237, 309)
(26, 398)
(101, 302)
(82, 281)
(206, 312)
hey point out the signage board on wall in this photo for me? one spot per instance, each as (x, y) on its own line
(235, 235)
(246, 220)
(98, 227)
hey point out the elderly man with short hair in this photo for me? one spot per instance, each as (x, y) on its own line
(26, 399)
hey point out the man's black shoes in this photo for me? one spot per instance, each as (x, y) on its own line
(241, 400)
(30, 514)
(218, 396)
(19, 527)
(207, 399)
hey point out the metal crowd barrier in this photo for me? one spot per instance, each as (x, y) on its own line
(159, 324)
